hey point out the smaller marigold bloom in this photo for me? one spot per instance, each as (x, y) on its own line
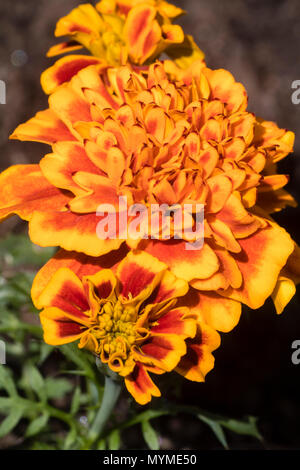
(129, 319)
(117, 33)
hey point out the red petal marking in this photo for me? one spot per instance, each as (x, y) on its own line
(75, 28)
(104, 290)
(80, 264)
(24, 190)
(173, 323)
(63, 47)
(123, 9)
(140, 23)
(70, 299)
(140, 385)
(192, 358)
(45, 127)
(194, 353)
(69, 106)
(263, 256)
(69, 69)
(68, 328)
(149, 42)
(135, 279)
(157, 347)
(67, 159)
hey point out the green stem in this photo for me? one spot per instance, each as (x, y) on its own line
(111, 394)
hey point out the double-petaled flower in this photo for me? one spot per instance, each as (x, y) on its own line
(157, 139)
(128, 317)
(153, 139)
(118, 32)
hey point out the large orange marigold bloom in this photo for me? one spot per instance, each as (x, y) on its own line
(161, 136)
(128, 317)
(117, 32)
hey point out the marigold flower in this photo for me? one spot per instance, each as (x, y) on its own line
(116, 33)
(155, 139)
(129, 319)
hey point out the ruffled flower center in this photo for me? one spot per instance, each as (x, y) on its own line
(116, 327)
(115, 333)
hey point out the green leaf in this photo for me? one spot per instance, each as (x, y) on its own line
(145, 416)
(45, 351)
(11, 421)
(114, 440)
(75, 404)
(150, 436)
(57, 388)
(247, 428)
(42, 446)
(6, 381)
(18, 249)
(36, 381)
(70, 439)
(102, 445)
(216, 428)
(10, 296)
(78, 357)
(5, 403)
(37, 425)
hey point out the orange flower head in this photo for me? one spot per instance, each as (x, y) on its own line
(162, 136)
(129, 319)
(116, 33)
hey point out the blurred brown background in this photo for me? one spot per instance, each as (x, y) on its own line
(259, 42)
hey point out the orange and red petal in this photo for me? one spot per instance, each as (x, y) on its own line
(63, 48)
(69, 106)
(67, 159)
(227, 275)
(198, 360)
(284, 291)
(140, 385)
(45, 127)
(184, 263)
(169, 287)
(73, 232)
(177, 321)
(64, 69)
(66, 292)
(139, 273)
(263, 256)
(58, 328)
(104, 283)
(161, 350)
(274, 201)
(81, 264)
(98, 190)
(237, 218)
(24, 190)
(218, 312)
(142, 32)
(292, 267)
(220, 188)
(83, 19)
(224, 88)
